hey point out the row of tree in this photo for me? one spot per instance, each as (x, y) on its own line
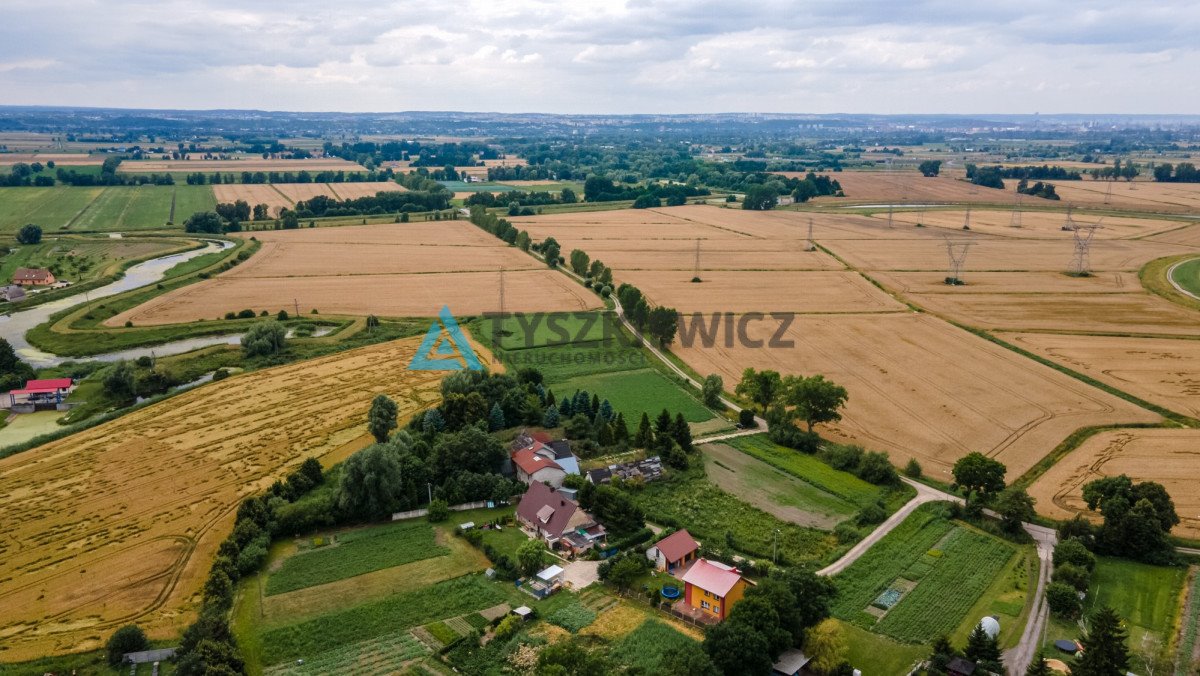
(658, 322)
(1184, 172)
(303, 176)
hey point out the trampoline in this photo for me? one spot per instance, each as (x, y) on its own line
(669, 592)
(1066, 646)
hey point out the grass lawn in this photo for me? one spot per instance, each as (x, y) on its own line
(689, 500)
(639, 391)
(810, 469)
(460, 186)
(506, 541)
(190, 199)
(646, 647)
(121, 208)
(1147, 596)
(356, 552)
(1187, 275)
(387, 615)
(877, 655)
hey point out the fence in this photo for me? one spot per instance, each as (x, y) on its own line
(413, 513)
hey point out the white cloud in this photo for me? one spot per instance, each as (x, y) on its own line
(606, 55)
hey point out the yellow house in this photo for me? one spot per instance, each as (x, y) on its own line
(713, 588)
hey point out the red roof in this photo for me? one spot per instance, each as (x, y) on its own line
(530, 462)
(546, 508)
(31, 274)
(714, 578)
(51, 384)
(543, 437)
(677, 545)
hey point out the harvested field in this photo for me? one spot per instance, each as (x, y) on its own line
(1133, 196)
(1185, 236)
(1164, 371)
(349, 191)
(252, 194)
(387, 295)
(1033, 224)
(993, 253)
(743, 291)
(872, 187)
(59, 159)
(249, 163)
(1044, 282)
(297, 192)
(409, 269)
(1169, 456)
(1117, 313)
(920, 388)
(118, 523)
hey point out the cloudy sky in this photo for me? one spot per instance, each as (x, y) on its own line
(606, 56)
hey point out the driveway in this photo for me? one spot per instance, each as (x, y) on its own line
(579, 574)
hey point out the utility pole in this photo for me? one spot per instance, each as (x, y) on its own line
(296, 304)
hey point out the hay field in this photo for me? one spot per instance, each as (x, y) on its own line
(247, 163)
(298, 192)
(59, 159)
(1186, 236)
(395, 270)
(760, 291)
(1165, 371)
(1034, 224)
(349, 191)
(119, 523)
(252, 194)
(1138, 312)
(871, 187)
(920, 388)
(1128, 196)
(1168, 456)
(1038, 281)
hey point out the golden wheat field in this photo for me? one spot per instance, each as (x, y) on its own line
(354, 190)
(1168, 456)
(252, 194)
(390, 269)
(119, 523)
(245, 163)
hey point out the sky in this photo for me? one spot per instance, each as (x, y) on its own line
(606, 56)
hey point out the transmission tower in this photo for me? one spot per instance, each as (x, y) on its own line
(1108, 192)
(967, 222)
(1015, 221)
(957, 253)
(1070, 223)
(812, 244)
(696, 261)
(501, 292)
(890, 210)
(1083, 234)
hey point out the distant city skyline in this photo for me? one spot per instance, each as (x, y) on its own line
(635, 56)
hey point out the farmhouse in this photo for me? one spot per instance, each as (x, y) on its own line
(532, 466)
(547, 514)
(40, 393)
(674, 552)
(712, 588)
(33, 277)
(648, 469)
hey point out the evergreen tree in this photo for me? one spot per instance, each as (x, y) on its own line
(594, 405)
(682, 433)
(1104, 649)
(604, 434)
(982, 648)
(582, 403)
(550, 419)
(496, 418)
(550, 400)
(620, 430)
(1039, 667)
(606, 411)
(433, 421)
(566, 408)
(662, 424)
(645, 437)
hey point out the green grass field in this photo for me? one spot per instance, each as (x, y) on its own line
(385, 616)
(874, 654)
(121, 208)
(946, 567)
(637, 391)
(385, 654)
(52, 208)
(1187, 275)
(190, 199)
(689, 500)
(357, 552)
(810, 469)
(1146, 596)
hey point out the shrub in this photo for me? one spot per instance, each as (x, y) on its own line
(127, 639)
(1072, 575)
(264, 338)
(1062, 600)
(438, 511)
(746, 418)
(913, 469)
(1071, 551)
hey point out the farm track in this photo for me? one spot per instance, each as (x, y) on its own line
(1177, 285)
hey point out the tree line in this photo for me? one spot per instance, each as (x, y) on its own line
(304, 176)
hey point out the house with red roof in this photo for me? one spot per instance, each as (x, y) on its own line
(51, 392)
(535, 465)
(711, 589)
(33, 277)
(546, 514)
(674, 552)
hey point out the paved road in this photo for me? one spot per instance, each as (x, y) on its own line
(1017, 658)
(1178, 287)
(924, 494)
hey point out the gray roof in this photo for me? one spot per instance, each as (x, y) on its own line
(145, 656)
(790, 662)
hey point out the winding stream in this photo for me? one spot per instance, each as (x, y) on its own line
(14, 326)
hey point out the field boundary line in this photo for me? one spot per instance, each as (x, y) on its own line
(85, 207)
(1177, 285)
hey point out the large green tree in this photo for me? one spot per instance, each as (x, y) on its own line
(381, 419)
(980, 475)
(1015, 506)
(29, 234)
(760, 387)
(1104, 647)
(13, 371)
(814, 399)
(737, 648)
(1137, 518)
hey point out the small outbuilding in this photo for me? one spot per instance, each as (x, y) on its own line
(960, 666)
(790, 663)
(552, 575)
(674, 552)
(524, 612)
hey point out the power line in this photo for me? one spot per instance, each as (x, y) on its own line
(957, 253)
